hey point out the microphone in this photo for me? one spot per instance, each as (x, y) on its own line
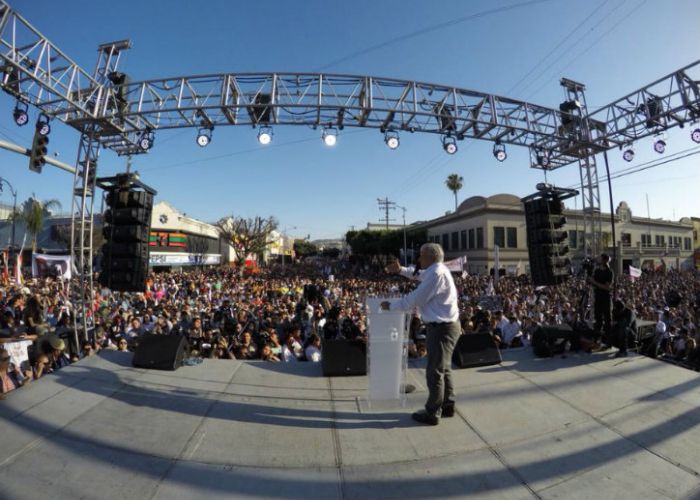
(416, 271)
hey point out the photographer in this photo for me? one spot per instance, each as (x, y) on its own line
(601, 281)
(625, 327)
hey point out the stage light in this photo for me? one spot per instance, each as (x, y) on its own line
(542, 158)
(203, 137)
(42, 125)
(660, 146)
(391, 138)
(695, 135)
(265, 135)
(146, 140)
(20, 114)
(628, 154)
(449, 144)
(330, 136)
(499, 151)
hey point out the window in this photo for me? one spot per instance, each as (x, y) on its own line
(660, 241)
(479, 237)
(646, 240)
(499, 236)
(573, 240)
(445, 241)
(472, 239)
(512, 241)
(687, 244)
(626, 239)
(455, 241)
(463, 240)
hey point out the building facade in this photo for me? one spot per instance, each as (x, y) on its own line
(480, 224)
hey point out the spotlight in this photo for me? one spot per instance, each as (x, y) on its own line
(42, 125)
(20, 114)
(449, 144)
(203, 137)
(265, 135)
(628, 154)
(695, 135)
(330, 136)
(391, 138)
(660, 146)
(499, 151)
(542, 157)
(146, 139)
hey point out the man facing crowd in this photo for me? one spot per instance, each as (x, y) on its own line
(436, 300)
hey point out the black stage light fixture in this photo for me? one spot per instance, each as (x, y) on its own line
(20, 114)
(42, 125)
(660, 145)
(146, 140)
(391, 138)
(499, 151)
(265, 135)
(695, 135)
(329, 136)
(449, 144)
(628, 154)
(204, 137)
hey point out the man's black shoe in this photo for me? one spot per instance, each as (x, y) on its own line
(448, 411)
(425, 418)
(408, 388)
(621, 354)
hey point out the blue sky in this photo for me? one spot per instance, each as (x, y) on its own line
(619, 46)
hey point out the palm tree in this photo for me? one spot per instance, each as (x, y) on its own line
(454, 183)
(33, 214)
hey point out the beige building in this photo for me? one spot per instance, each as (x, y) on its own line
(482, 223)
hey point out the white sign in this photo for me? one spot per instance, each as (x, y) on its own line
(53, 266)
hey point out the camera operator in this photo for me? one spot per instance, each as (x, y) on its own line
(602, 280)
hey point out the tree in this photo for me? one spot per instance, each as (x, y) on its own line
(197, 246)
(33, 214)
(366, 242)
(303, 248)
(248, 236)
(454, 183)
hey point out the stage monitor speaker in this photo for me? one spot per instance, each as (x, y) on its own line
(343, 357)
(161, 352)
(549, 340)
(476, 349)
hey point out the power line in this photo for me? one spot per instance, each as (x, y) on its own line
(430, 29)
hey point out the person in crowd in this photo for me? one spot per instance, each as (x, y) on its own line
(54, 357)
(10, 375)
(266, 354)
(313, 350)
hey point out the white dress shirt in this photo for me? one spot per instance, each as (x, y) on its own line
(435, 297)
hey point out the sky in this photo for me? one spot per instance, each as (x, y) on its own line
(521, 51)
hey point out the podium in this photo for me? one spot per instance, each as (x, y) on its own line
(387, 354)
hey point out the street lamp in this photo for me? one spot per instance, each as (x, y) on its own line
(14, 206)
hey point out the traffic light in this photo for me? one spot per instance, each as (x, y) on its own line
(546, 240)
(127, 225)
(37, 155)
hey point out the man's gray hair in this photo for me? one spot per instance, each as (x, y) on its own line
(434, 250)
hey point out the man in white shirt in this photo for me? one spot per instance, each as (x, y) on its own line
(436, 300)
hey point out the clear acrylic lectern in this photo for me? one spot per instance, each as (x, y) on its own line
(387, 354)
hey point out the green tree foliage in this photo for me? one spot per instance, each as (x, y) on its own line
(33, 214)
(454, 183)
(385, 242)
(303, 248)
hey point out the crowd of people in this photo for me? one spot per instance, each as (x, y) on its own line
(282, 314)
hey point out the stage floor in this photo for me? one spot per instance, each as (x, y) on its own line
(587, 426)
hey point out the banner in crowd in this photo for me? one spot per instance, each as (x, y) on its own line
(51, 266)
(457, 265)
(635, 272)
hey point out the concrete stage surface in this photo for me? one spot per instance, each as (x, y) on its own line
(588, 426)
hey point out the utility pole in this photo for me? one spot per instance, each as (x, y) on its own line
(385, 205)
(405, 251)
(14, 208)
